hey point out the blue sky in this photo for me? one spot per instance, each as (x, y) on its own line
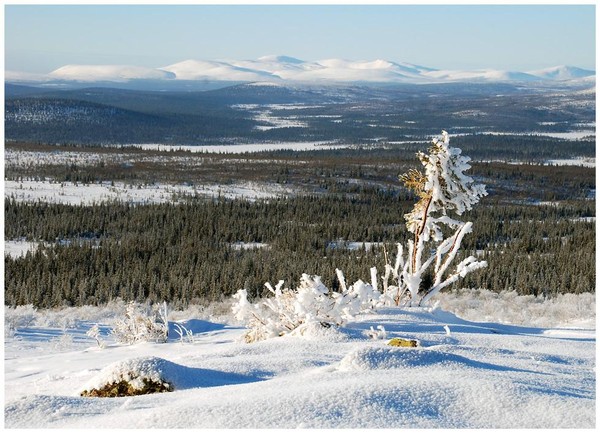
(510, 37)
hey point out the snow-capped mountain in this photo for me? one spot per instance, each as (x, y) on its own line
(215, 70)
(109, 73)
(491, 75)
(285, 69)
(562, 73)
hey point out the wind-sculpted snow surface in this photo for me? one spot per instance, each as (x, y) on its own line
(370, 358)
(464, 374)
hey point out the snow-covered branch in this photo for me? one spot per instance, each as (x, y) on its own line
(311, 304)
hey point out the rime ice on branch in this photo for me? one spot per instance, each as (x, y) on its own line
(442, 188)
(296, 311)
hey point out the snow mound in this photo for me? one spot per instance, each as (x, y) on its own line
(160, 370)
(135, 371)
(384, 358)
(315, 331)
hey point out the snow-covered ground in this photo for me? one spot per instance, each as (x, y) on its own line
(19, 247)
(465, 374)
(571, 135)
(353, 246)
(583, 162)
(245, 148)
(87, 194)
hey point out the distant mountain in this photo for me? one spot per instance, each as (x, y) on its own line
(93, 73)
(211, 70)
(279, 69)
(562, 73)
(489, 75)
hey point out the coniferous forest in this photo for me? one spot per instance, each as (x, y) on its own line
(535, 229)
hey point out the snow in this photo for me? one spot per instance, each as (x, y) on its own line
(584, 219)
(464, 374)
(562, 73)
(245, 148)
(508, 307)
(24, 158)
(354, 246)
(215, 70)
(18, 248)
(109, 73)
(63, 156)
(277, 69)
(87, 194)
(248, 245)
(264, 114)
(571, 135)
(481, 75)
(583, 162)
(484, 360)
(276, 122)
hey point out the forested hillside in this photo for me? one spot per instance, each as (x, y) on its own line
(348, 114)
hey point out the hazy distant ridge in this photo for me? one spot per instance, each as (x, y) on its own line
(281, 69)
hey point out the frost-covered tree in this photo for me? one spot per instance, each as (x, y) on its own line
(442, 188)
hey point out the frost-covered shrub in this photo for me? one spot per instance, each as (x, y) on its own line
(94, 332)
(62, 342)
(312, 303)
(142, 323)
(21, 316)
(377, 334)
(509, 307)
(185, 335)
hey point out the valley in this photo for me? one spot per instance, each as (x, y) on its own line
(303, 170)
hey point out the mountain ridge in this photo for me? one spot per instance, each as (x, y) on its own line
(281, 68)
